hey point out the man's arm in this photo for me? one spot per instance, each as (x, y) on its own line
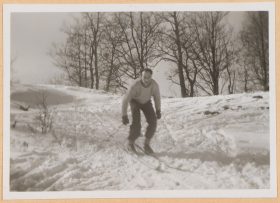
(126, 99)
(157, 99)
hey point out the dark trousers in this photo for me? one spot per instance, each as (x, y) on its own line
(135, 127)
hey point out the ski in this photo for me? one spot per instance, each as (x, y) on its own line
(140, 157)
(163, 164)
(133, 151)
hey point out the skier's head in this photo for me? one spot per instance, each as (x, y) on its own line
(146, 76)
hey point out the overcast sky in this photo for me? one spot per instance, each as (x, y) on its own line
(33, 33)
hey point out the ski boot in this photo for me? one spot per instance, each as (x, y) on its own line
(147, 147)
(131, 147)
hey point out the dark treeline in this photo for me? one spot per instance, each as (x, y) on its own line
(105, 50)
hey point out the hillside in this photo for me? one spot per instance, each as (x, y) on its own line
(218, 142)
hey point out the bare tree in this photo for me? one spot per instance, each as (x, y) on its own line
(79, 55)
(68, 55)
(139, 42)
(229, 76)
(45, 115)
(212, 49)
(95, 26)
(177, 45)
(172, 45)
(254, 37)
(110, 55)
(245, 76)
(191, 66)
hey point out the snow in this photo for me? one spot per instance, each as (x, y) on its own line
(217, 142)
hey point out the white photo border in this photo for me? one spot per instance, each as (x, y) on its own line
(8, 9)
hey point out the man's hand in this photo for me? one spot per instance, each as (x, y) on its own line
(125, 120)
(158, 114)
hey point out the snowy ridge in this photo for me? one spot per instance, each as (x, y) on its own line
(218, 142)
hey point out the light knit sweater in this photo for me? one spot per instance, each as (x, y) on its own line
(141, 94)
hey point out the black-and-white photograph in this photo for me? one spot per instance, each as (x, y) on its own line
(137, 98)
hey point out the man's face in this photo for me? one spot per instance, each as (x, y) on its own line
(146, 78)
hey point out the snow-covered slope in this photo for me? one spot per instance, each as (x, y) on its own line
(218, 142)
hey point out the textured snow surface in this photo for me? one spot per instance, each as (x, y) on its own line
(218, 142)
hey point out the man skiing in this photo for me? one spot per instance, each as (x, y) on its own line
(139, 97)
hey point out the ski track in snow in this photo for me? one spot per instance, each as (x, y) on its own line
(219, 142)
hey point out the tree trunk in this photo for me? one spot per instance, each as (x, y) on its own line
(85, 60)
(191, 89)
(180, 58)
(215, 83)
(91, 68)
(109, 77)
(96, 53)
(96, 69)
(263, 59)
